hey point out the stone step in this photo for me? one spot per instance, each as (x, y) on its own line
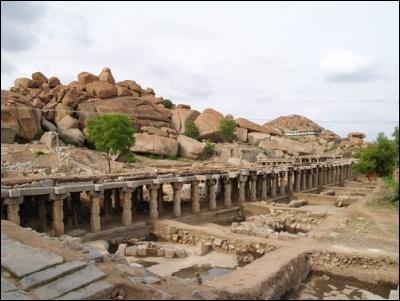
(95, 290)
(69, 283)
(50, 274)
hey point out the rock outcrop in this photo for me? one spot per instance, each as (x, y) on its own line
(190, 148)
(181, 117)
(208, 124)
(153, 144)
(249, 125)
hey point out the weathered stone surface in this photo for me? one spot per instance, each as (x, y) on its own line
(153, 144)
(87, 78)
(18, 115)
(50, 274)
(208, 124)
(145, 279)
(94, 291)
(356, 135)
(39, 78)
(131, 85)
(141, 112)
(201, 249)
(181, 117)
(61, 110)
(24, 82)
(154, 131)
(7, 285)
(106, 76)
(72, 98)
(15, 295)
(21, 259)
(131, 251)
(180, 253)
(255, 137)
(249, 125)
(47, 125)
(190, 148)
(50, 139)
(169, 253)
(123, 91)
(241, 134)
(294, 147)
(69, 283)
(68, 122)
(121, 250)
(74, 136)
(141, 250)
(101, 89)
(54, 82)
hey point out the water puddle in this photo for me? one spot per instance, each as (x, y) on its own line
(322, 286)
(206, 272)
(146, 263)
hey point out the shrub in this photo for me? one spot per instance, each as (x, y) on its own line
(111, 134)
(131, 158)
(226, 130)
(39, 153)
(191, 130)
(171, 157)
(209, 149)
(167, 103)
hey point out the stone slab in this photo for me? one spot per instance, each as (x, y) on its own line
(22, 260)
(50, 274)
(36, 190)
(110, 185)
(14, 296)
(69, 283)
(93, 291)
(73, 188)
(7, 285)
(135, 184)
(4, 193)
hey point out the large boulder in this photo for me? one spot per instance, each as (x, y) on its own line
(250, 126)
(39, 77)
(72, 136)
(181, 117)
(131, 85)
(101, 89)
(24, 82)
(61, 110)
(255, 137)
(152, 144)
(54, 82)
(71, 98)
(208, 124)
(273, 131)
(68, 122)
(241, 134)
(356, 135)
(141, 112)
(50, 139)
(106, 76)
(87, 78)
(190, 148)
(18, 117)
(123, 91)
(293, 147)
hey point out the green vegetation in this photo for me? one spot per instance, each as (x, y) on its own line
(209, 149)
(226, 130)
(111, 134)
(191, 130)
(39, 153)
(167, 103)
(162, 157)
(131, 158)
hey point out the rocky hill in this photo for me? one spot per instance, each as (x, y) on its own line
(39, 104)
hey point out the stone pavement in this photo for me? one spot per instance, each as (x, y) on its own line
(32, 273)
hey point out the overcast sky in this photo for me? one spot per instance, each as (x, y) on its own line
(335, 63)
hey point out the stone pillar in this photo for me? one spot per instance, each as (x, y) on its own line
(177, 186)
(58, 215)
(320, 176)
(95, 199)
(263, 187)
(228, 192)
(42, 212)
(154, 200)
(195, 196)
(282, 183)
(235, 189)
(211, 183)
(298, 180)
(340, 174)
(316, 175)
(126, 196)
(304, 179)
(247, 191)
(242, 183)
(310, 178)
(274, 177)
(334, 174)
(13, 209)
(160, 199)
(290, 182)
(253, 189)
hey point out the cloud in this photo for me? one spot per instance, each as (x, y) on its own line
(348, 66)
(19, 22)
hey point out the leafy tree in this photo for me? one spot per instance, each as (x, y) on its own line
(167, 103)
(226, 130)
(379, 157)
(191, 130)
(111, 134)
(396, 142)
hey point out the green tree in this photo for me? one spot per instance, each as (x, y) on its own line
(111, 134)
(379, 157)
(226, 130)
(167, 103)
(191, 130)
(396, 142)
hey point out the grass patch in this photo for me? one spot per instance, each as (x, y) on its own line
(39, 153)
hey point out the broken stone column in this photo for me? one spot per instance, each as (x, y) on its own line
(126, 196)
(195, 196)
(228, 192)
(212, 194)
(177, 186)
(253, 189)
(263, 187)
(282, 183)
(160, 199)
(304, 179)
(153, 200)
(58, 214)
(242, 183)
(274, 181)
(95, 198)
(13, 204)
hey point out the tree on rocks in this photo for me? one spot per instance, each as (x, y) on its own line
(111, 134)
(191, 130)
(226, 130)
